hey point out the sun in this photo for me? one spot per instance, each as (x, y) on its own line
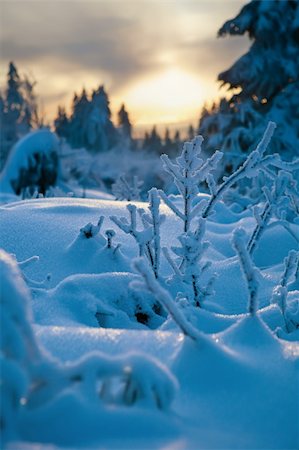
(167, 97)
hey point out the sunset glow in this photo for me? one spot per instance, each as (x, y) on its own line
(163, 70)
(171, 96)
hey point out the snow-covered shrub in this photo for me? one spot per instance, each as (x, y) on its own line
(124, 189)
(33, 163)
(188, 171)
(147, 239)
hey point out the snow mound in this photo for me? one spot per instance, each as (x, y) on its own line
(42, 142)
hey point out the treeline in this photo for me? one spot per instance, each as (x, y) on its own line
(89, 125)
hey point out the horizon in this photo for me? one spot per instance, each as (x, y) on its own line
(164, 74)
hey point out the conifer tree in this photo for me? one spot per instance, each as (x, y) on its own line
(18, 108)
(79, 120)
(154, 141)
(124, 124)
(264, 82)
(61, 123)
(101, 133)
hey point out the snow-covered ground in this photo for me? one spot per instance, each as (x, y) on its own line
(236, 387)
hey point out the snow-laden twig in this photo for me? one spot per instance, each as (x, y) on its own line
(274, 199)
(280, 292)
(154, 220)
(248, 169)
(142, 237)
(250, 272)
(150, 284)
(32, 283)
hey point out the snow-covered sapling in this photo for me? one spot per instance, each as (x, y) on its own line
(90, 230)
(250, 272)
(280, 292)
(188, 171)
(148, 239)
(123, 189)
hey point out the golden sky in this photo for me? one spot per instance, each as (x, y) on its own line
(160, 57)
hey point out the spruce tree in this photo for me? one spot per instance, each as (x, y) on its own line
(264, 83)
(79, 120)
(18, 109)
(61, 123)
(101, 133)
(125, 126)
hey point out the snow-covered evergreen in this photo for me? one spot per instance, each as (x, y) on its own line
(264, 84)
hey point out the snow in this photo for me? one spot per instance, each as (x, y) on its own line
(236, 386)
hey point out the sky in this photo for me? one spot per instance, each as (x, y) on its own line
(160, 57)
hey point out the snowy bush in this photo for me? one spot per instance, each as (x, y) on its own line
(123, 189)
(147, 239)
(33, 163)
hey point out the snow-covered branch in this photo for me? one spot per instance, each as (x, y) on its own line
(249, 270)
(248, 169)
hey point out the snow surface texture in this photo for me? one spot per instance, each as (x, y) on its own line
(35, 387)
(76, 311)
(89, 287)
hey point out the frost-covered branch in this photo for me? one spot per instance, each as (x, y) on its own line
(280, 292)
(249, 270)
(274, 199)
(248, 169)
(154, 219)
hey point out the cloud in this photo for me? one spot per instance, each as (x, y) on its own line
(68, 44)
(87, 36)
(212, 56)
